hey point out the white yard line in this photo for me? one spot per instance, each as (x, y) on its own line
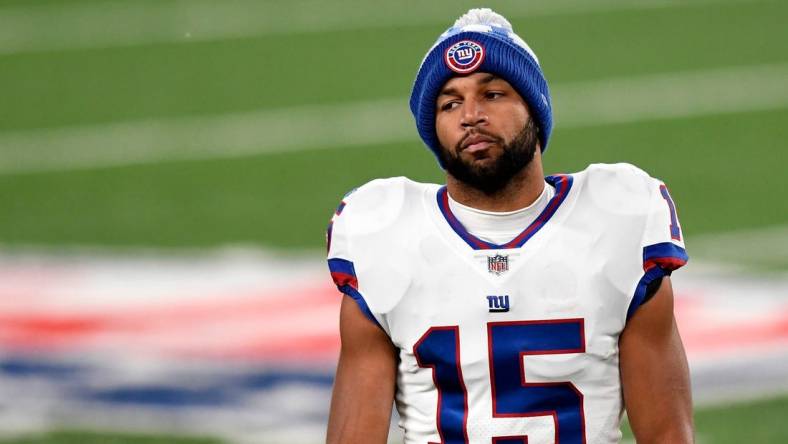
(83, 25)
(672, 95)
(584, 104)
(220, 136)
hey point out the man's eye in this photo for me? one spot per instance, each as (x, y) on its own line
(493, 94)
(449, 105)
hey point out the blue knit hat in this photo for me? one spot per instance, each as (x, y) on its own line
(483, 41)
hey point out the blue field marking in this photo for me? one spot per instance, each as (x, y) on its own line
(163, 396)
(274, 379)
(171, 389)
(25, 367)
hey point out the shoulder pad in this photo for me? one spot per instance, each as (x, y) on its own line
(362, 235)
(373, 206)
(372, 210)
(619, 188)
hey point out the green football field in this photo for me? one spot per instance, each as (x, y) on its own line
(761, 422)
(723, 166)
(196, 124)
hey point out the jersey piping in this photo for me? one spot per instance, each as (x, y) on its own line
(562, 184)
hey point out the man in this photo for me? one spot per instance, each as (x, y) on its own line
(505, 307)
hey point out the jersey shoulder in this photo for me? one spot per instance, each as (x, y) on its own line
(624, 191)
(378, 205)
(369, 240)
(616, 190)
(619, 179)
(637, 215)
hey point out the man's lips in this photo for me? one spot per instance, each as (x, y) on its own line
(476, 143)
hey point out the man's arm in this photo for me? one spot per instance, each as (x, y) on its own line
(365, 381)
(654, 373)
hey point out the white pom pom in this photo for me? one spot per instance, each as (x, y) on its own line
(483, 16)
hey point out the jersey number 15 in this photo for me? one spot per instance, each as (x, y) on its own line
(512, 396)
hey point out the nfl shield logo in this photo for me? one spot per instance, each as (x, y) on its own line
(497, 264)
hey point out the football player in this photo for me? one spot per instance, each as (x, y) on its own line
(505, 306)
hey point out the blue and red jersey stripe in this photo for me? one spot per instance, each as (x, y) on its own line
(343, 272)
(666, 255)
(562, 184)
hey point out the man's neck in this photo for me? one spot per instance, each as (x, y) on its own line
(520, 192)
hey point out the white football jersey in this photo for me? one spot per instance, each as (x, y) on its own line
(509, 343)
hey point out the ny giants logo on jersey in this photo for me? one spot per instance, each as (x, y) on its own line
(497, 264)
(464, 56)
(498, 304)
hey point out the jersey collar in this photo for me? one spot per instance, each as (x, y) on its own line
(562, 184)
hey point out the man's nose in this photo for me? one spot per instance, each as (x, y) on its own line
(473, 113)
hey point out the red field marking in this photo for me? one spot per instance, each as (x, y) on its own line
(277, 323)
(176, 327)
(709, 329)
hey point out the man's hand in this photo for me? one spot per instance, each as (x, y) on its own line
(654, 373)
(365, 381)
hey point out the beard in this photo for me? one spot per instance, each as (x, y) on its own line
(496, 175)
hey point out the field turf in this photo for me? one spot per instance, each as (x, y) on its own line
(84, 437)
(758, 422)
(722, 168)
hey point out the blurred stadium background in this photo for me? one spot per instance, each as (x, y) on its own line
(167, 169)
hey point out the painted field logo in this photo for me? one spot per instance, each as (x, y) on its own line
(497, 264)
(464, 56)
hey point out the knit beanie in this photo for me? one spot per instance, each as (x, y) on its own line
(480, 41)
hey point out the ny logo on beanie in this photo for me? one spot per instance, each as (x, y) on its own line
(465, 56)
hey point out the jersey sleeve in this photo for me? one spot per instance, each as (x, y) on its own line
(340, 257)
(364, 241)
(662, 244)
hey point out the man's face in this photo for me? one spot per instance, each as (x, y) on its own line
(485, 131)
